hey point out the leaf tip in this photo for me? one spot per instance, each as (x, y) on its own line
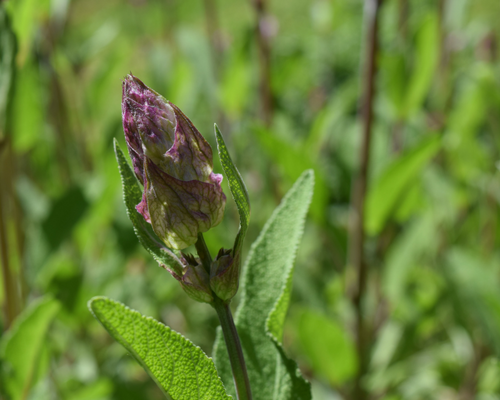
(116, 148)
(309, 173)
(93, 303)
(218, 137)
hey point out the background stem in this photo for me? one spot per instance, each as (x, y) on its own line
(357, 234)
(10, 287)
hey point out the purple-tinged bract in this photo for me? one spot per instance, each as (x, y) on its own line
(182, 196)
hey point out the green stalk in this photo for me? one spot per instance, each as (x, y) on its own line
(234, 350)
(233, 344)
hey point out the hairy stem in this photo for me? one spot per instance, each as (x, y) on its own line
(229, 331)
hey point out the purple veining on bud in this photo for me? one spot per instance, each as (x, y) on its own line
(182, 196)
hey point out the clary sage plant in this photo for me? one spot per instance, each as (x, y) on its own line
(172, 197)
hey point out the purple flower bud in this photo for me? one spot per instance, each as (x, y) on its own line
(182, 196)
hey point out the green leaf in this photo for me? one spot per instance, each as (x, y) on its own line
(427, 49)
(266, 287)
(330, 351)
(394, 183)
(132, 196)
(27, 128)
(395, 78)
(237, 187)
(21, 347)
(27, 15)
(178, 367)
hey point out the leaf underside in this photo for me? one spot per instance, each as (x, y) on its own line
(266, 287)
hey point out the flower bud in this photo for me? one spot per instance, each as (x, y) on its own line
(224, 275)
(194, 279)
(182, 196)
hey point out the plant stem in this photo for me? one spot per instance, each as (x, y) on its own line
(234, 350)
(233, 344)
(357, 234)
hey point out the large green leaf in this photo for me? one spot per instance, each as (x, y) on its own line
(237, 187)
(179, 368)
(395, 181)
(21, 347)
(266, 287)
(132, 196)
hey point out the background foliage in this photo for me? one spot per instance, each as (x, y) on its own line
(286, 97)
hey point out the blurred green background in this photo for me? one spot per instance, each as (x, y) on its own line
(284, 81)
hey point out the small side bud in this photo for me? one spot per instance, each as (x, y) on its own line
(224, 275)
(194, 279)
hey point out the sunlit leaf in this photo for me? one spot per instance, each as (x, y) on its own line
(178, 367)
(28, 14)
(266, 289)
(27, 127)
(388, 190)
(424, 70)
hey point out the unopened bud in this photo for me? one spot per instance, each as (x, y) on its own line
(194, 279)
(182, 196)
(224, 275)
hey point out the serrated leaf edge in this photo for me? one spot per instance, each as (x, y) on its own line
(305, 174)
(244, 217)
